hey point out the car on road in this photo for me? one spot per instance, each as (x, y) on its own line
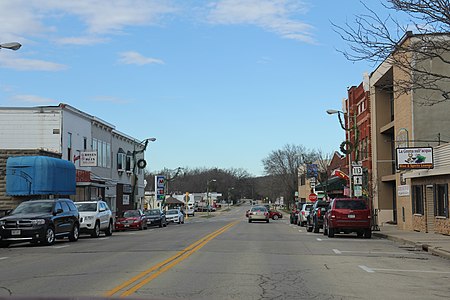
(155, 217)
(175, 215)
(131, 219)
(315, 218)
(95, 217)
(293, 218)
(303, 214)
(348, 215)
(275, 215)
(40, 221)
(258, 213)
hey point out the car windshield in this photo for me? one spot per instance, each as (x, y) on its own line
(351, 204)
(130, 214)
(259, 209)
(33, 207)
(172, 212)
(86, 206)
(153, 212)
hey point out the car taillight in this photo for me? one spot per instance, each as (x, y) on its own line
(303, 212)
(319, 213)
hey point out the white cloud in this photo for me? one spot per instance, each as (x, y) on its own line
(81, 40)
(134, 58)
(33, 17)
(33, 99)
(21, 64)
(272, 15)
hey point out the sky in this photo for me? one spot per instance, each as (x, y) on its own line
(219, 84)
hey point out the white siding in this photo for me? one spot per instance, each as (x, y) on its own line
(30, 129)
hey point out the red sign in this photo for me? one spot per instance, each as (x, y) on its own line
(312, 197)
(83, 176)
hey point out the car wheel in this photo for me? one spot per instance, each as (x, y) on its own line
(330, 232)
(275, 217)
(267, 221)
(249, 220)
(73, 236)
(49, 238)
(4, 244)
(368, 233)
(96, 231)
(160, 224)
(165, 224)
(325, 230)
(141, 227)
(109, 230)
(359, 233)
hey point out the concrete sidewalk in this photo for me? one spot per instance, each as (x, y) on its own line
(435, 243)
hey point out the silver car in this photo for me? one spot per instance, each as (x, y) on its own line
(258, 213)
(175, 215)
(303, 214)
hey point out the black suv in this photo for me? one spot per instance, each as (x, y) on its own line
(40, 221)
(315, 218)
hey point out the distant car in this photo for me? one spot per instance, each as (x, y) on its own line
(303, 214)
(258, 213)
(293, 218)
(348, 215)
(315, 218)
(131, 219)
(95, 216)
(40, 221)
(155, 217)
(175, 215)
(190, 210)
(275, 215)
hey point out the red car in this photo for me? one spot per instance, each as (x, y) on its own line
(275, 215)
(348, 215)
(131, 219)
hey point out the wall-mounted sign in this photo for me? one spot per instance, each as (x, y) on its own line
(88, 159)
(403, 190)
(414, 158)
(126, 200)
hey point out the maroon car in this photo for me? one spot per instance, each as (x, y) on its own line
(348, 215)
(275, 215)
(131, 219)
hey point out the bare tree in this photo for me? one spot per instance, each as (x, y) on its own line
(375, 38)
(283, 165)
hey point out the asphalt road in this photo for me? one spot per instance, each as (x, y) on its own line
(224, 257)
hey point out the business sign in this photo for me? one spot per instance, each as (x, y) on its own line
(311, 170)
(88, 159)
(415, 158)
(160, 184)
(403, 190)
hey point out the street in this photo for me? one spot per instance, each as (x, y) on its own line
(224, 257)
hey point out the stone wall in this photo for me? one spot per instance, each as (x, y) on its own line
(442, 225)
(419, 223)
(8, 202)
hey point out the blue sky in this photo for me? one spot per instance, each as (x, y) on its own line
(218, 83)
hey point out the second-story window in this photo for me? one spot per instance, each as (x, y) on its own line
(121, 160)
(69, 146)
(128, 163)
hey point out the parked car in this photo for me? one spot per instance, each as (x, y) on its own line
(314, 221)
(258, 213)
(175, 215)
(155, 217)
(131, 219)
(348, 215)
(190, 210)
(95, 216)
(40, 221)
(275, 215)
(303, 214)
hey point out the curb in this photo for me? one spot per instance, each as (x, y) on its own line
(424, 247)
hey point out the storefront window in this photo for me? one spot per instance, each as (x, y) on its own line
(417, 201)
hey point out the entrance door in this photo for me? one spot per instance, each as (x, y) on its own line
(429, 207)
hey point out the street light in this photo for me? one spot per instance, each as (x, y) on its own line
(11, 46)
(352, 146)
(207, 193)
(141, 163)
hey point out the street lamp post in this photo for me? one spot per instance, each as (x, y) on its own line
(138, 164)
(207, 193)
(354, 144)
(228, 196)
(11, 46)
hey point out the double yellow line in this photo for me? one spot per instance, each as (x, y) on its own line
(132, 285)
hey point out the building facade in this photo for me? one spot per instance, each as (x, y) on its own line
(110, 174)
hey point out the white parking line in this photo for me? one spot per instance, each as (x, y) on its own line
(372, 270)
(319, 239)
(59, 247)
(300, 231)
(372, 252)
(3, 258)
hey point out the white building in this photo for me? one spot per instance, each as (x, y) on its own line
(76, 135)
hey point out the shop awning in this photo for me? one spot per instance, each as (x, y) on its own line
(39, 175)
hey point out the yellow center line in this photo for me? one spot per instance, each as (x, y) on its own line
(133, 284)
